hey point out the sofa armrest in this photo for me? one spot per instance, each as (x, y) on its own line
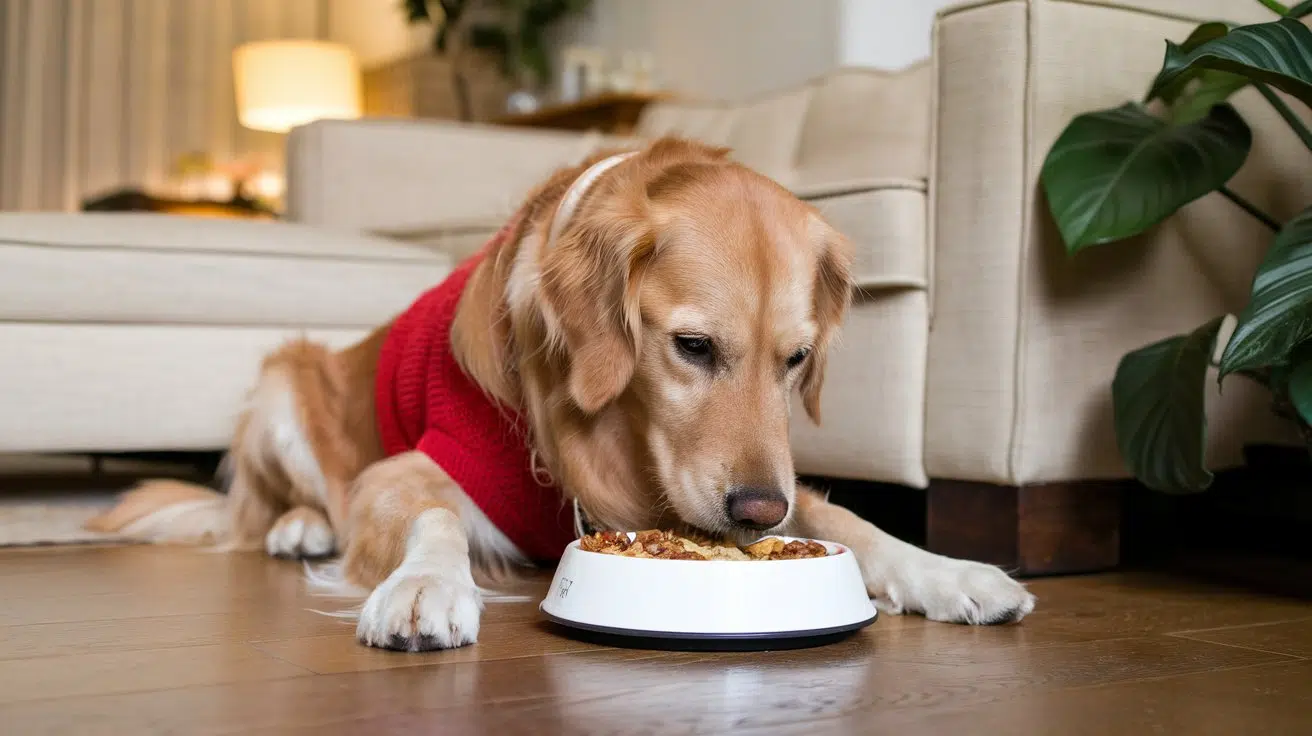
(380, 175)
(1024, 341)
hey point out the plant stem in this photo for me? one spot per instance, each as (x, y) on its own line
(1250, 208)
(1301, 10)
(1275, 7)
(1290, 116)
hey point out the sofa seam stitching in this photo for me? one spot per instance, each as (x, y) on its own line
(972, 5)
(1026, 245)
(931, 238)
(1126, 8)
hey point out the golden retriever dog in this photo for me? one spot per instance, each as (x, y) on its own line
(640, 325)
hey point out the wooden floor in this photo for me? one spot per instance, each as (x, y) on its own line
(137, 640)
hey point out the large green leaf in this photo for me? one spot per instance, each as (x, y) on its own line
(1212, 88)
(1279, 312)
(1115, 173)
(1157, 397)
(1278, 53)
(1171, 81)
(1300, 385)
(1190, 93)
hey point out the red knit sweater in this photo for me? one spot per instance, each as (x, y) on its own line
(426, 402)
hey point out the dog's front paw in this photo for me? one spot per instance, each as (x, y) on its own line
(953, 591)
(420, 612)
(302, 533)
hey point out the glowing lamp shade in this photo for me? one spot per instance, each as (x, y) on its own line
(283, 84)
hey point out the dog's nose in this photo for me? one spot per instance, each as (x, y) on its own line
(756, 508)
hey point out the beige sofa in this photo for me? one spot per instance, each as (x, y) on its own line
(976, 351)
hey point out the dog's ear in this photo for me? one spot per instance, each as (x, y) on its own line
(831, 296)
(590, 281)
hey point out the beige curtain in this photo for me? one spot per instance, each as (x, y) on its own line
(101, 94)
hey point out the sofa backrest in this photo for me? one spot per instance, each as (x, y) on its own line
(842, 130)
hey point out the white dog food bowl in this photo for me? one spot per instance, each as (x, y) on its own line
(709, 604)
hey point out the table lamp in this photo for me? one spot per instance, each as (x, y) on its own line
(285, 83)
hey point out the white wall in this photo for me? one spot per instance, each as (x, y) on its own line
(888, 34)
(720, 49)
(723, 49)
(732, 49)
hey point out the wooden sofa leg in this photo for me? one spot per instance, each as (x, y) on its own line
(1034, 530)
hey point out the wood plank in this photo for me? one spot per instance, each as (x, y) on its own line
(340, 652)
(276, 704)
(714, 698)
(160, 632)
(155, 670)
(1142, 604)
(1289, 637)
(1271, 698)
(606, 688)
(551, 115)
(205, 584)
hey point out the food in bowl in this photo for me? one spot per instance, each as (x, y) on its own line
(666, 545)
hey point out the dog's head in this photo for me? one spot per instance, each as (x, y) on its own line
(688, 297)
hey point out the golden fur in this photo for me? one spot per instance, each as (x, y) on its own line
(677, 241)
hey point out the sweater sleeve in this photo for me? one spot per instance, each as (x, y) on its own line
(436, 445)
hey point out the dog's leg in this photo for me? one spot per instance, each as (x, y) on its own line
(406, 538)
(301, 533)
(903, 578)
(295, 440)
(291, 459)
(253, 497)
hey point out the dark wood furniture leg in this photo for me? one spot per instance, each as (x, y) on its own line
(1034, 530)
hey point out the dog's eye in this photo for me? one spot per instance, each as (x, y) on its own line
(798, 357)
(694, 347)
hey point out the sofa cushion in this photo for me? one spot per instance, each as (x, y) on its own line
(875, 385)
(864, 125)
(765, 133)
(847, 127)
(885, 220)
(366, 175)
(709, 122)
(886, 224)
(855, 142)
(872, 408)
(112, 267)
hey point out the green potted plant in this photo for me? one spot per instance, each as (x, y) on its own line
(1116, 173)
(513, 31)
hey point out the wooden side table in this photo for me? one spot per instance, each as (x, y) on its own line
(135, 200)
(613, 113)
